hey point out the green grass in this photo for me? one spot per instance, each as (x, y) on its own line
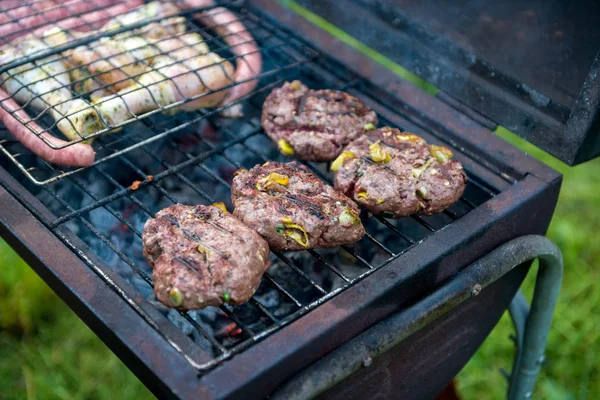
(573, 350)
(46, 352)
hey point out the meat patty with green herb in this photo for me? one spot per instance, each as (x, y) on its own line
(203, 256)
(292, 209)
(396, 174)
(314, 125)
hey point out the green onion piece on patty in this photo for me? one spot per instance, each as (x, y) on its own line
(176, 297)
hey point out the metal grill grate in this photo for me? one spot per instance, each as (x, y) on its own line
(190, 158)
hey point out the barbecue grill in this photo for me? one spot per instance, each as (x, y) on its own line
(402, 310)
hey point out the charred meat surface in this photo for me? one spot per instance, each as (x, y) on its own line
(294, 210)
(314, 125)
(398, 174)
(203, 256)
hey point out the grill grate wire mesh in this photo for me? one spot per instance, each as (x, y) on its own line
(283, 51)
(190, 158)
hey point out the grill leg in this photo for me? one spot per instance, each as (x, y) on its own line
(518, 311)
(535, 325)
(532, 326)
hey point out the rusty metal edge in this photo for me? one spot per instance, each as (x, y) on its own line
(584, 121)
(147, 353)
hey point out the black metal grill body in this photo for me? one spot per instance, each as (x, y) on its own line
(423, 365)
(509, 195)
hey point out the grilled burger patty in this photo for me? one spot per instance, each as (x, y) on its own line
(398, 174)
(292, 209)
(203, 256)
(314, 125)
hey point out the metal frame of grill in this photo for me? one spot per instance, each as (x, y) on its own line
(37, 61)
(508, 195)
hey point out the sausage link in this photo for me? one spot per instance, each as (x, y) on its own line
(238, 38)
(77, 155)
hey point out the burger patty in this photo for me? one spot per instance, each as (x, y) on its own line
(398, 174)
(314, 125)
(292, 209)
(202, 256)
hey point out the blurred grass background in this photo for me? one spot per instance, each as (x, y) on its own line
(46, 352)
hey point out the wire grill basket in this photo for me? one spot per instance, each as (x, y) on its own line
(75, 85)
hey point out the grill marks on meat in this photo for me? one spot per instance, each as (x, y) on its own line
(418, 178)
(316, 124)
(294, 210)
(202, 256)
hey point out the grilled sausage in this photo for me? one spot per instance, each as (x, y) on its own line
(77, 155)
